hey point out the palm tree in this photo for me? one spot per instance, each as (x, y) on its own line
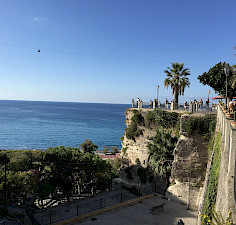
(161, 148)
(177, 80)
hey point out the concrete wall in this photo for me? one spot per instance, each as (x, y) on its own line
(225, 201)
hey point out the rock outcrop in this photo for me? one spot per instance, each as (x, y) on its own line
(189, 166)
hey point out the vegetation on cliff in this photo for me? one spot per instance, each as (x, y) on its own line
(204, 126)
(210, 200)
(152, 120)
(161, 148)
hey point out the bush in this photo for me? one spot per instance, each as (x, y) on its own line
(203, 125)
(132, 131)
(161, 118)
(137, 118)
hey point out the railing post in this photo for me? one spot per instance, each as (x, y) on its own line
(121, 197)
(190, 107)
(172, 106)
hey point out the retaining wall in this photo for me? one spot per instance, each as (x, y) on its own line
(225, 201)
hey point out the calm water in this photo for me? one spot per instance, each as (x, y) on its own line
(39, 125)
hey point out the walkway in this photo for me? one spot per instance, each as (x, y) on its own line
(138, 214)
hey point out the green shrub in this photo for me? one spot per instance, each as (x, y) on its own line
(137, 118)
(177, 130)
(124, 150)
(137, 161)
(201, 125)
(132, 131)
(161, 118)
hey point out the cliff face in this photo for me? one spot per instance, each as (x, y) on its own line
(135, 156)
(136, 149)
(189, 166)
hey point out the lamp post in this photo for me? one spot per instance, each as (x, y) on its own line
(209, 95)
(157, 93)
(226, 70)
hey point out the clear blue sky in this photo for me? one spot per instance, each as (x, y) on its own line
(110, 50)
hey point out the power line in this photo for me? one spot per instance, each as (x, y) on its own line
(92, 55)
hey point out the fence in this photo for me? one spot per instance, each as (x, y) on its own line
(193, 107)
(80, 207)
(10, 223)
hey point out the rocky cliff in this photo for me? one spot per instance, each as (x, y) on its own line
(136, 149)
(188, 167)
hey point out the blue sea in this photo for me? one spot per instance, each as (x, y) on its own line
(40, 125)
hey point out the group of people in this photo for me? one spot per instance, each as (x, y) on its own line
(232, 106)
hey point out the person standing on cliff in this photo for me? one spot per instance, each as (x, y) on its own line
(138, 101)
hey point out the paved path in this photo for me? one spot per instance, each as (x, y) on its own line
(139, 214)
(69, 210)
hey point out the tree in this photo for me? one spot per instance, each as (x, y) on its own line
(106, 149)
(67, 168)
(161, 148)
(63, 166)
(88, 146)
(177, 79)
(216, 79)
(114, 150)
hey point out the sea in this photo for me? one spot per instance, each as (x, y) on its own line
(40, 125)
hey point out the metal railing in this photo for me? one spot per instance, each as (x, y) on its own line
(192, 107)
(80, 207)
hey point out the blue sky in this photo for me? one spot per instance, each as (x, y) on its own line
(109, 50)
